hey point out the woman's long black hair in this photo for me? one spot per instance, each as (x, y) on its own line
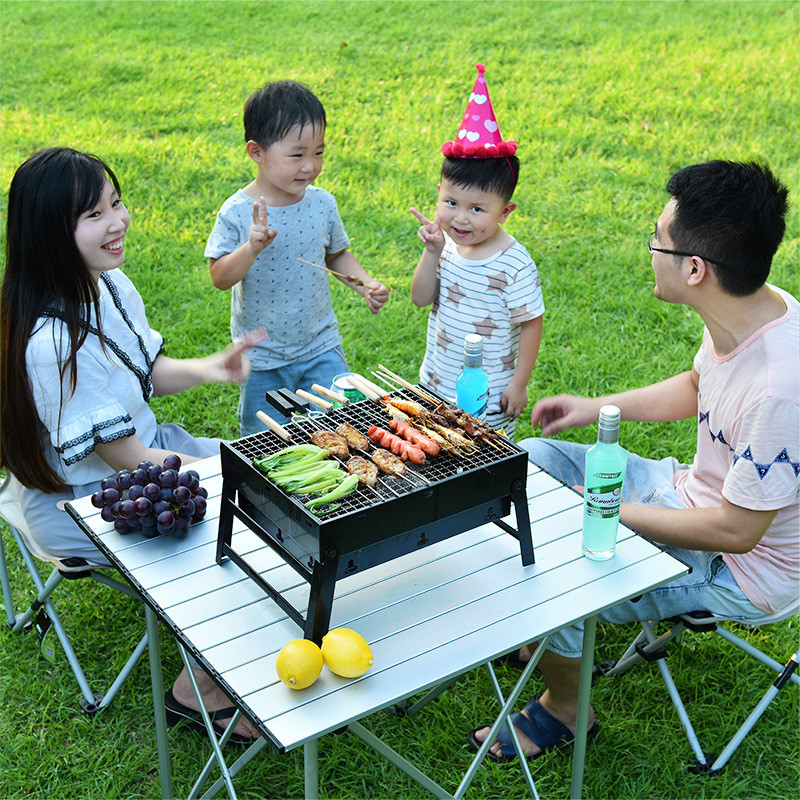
(44, 268)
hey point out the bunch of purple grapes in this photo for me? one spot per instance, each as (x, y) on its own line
(153, 499)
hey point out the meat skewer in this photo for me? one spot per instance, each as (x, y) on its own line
(398, 446)
(364, 470)
(354, 439)
(367, 454)
(331, 442)
(453, 416)
(411, 434)
(389, 463)
(349, 278)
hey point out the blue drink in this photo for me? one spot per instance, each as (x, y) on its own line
(472, 385)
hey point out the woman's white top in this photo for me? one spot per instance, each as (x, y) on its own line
(114, 381)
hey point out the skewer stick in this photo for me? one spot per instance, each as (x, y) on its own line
(359, 383)
(274, 426)
(348, 278)
(379, 390)
(411, 387)
(312, 398)
(332, 396)
(385, 380)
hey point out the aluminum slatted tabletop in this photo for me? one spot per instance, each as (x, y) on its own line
(428, 616)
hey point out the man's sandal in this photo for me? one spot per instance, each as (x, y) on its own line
(540, 726)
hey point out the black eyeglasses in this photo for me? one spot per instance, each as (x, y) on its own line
(678, 252)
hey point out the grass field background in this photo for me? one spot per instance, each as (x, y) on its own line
(605, 100)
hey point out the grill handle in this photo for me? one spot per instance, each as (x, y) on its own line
(332, 396)
(312, 398)
(274, 426)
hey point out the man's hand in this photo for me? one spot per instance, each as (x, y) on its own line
(430, 234)
(556, 414)
(261, 235)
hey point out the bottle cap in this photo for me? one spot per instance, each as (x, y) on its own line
(473, 344)
(609, 417)
(473, 350)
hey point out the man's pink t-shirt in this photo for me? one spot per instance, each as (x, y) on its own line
(748, 450)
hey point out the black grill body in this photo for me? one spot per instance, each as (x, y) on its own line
(442, 498)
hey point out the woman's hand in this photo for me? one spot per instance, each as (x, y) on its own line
(172, 375)
(231, 365)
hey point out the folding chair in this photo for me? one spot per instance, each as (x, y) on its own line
(42, 614)
(648, 647)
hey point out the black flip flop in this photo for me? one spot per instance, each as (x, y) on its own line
(178, 713)
(541, 727)
(512, 659)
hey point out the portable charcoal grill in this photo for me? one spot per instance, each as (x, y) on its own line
(445, 496)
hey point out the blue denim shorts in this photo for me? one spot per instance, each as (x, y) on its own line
(322, 370)
(709, 586)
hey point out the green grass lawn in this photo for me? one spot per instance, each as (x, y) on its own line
(605, 100)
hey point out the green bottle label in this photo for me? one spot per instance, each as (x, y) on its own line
(603, 500)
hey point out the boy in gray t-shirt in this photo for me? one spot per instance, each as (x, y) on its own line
(262, 231)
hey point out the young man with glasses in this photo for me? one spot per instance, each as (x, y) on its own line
(732, 515)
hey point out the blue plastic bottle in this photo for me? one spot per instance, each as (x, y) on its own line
(605, 473)
(472, 385)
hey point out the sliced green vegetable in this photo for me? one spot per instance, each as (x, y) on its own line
(285, 456)
(319, 482)
(347, 486)
(299, 466)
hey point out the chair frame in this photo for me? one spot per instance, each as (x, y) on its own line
(42, 610)
(649, 647)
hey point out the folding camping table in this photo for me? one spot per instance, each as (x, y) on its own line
(429, 617)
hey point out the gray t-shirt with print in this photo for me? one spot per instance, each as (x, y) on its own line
(291, 300)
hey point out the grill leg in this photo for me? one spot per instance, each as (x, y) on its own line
(225, 520)
(520, 500)
(320, 601)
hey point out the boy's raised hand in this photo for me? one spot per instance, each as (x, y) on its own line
(261, 235)
(430, 234)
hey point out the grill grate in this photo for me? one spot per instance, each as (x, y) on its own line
(362, 415)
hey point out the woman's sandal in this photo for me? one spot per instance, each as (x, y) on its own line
(178, 713)
(540, 726)
(511, 659)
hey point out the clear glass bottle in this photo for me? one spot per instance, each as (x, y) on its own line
(472, 385)
(605, 473)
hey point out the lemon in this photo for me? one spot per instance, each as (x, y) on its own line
(299, 663)
(346, 653)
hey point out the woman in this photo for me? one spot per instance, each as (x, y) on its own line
(79, 362)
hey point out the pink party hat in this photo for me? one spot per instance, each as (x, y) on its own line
(479, 134)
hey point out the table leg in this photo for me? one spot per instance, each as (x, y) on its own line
(311, 766)
(584, 690)
(160, 715)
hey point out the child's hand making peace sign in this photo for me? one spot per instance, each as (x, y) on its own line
(430, 233)
(261, 235)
